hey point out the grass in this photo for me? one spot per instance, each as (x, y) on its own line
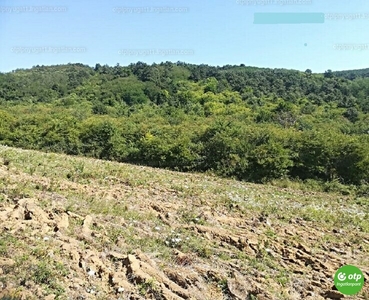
(35, 265)
(154, 210)
(10, 297)
(47, 166)
(7, 242)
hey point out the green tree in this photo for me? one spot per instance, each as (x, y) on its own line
(97, 136)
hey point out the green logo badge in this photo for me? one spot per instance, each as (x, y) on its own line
(349, 280)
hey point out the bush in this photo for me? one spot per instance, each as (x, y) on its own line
(97, 138)
(8, 297)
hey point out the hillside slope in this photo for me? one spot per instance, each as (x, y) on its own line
(78, 228)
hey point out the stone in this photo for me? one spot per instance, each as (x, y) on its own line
(332, 294)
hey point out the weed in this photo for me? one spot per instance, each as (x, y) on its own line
(191, 217)
(42, 273)
(282, 278)
(6, 242)
(32, 169)
(46, 273)
(10, 297)
(115, 233)
(39, 252)
(174, 240)
(148, 286)
(223, 284)
(205, 252)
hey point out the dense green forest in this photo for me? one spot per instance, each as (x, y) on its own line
(253, 124)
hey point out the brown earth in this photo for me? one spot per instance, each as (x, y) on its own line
(131, 240)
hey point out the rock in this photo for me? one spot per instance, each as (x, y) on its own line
(288, 232)
(304, 248)
(119, 281)
(87, 222)
(32, 211)
(176, 277)
(316, 283)
(116, 256)
(208, 236)
(63, 222)
(29, 284)
(333, 295)
(134, 269)
(6, 262)
(334, 249)
(76, 216)
(314, 297)
(238, 288)
(252, 241)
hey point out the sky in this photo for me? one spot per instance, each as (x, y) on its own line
(213, 32)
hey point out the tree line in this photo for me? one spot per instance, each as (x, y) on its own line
(253, 124)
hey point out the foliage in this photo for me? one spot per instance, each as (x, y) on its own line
(249, 123)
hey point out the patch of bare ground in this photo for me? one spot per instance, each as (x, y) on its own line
(77, 228)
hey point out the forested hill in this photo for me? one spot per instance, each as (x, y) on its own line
(250, 123)
(352, 74)
(48, 83)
